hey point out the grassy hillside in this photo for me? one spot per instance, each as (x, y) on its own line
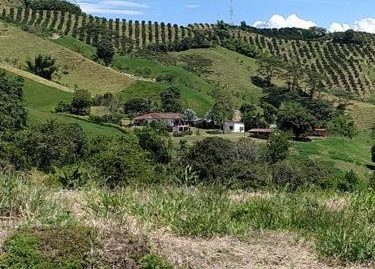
(75, 70)
(41, 101)
(231, 70)
(342, 153)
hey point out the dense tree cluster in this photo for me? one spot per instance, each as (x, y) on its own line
(55, 5)
(12, 111)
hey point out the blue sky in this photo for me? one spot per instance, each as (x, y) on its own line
(332, 14)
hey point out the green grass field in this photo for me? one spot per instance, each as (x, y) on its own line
(231, 70)
(341, 153)
(194, 90)
(41, 101)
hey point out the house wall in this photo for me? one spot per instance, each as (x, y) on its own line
(169, 123)
(239, 128)
(232, 127)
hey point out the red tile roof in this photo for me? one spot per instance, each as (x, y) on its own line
(160, 116)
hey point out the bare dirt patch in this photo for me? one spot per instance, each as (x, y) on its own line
(261, 251)
(7, 227)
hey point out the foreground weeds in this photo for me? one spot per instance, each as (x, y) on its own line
(345, 234)
(24, 201)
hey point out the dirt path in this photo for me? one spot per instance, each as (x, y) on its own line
(262, 251)
(35, 78)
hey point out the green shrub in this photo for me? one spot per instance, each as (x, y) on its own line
(343, 125)
(210, 157)
(73, 176)
(349, 182)
(154, 262)
(43, 66)
(278, 147)
(49, 248)
(50, 144)
(293, 175)
(246, 174)
(372, 182)
(120, 161)
(81, 102)
(157, 142)
(13, 114)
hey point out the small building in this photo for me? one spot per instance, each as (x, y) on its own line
(261, 133)
(233, 127)
(173, 121)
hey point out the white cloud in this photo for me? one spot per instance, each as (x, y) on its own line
(363, 25)
(192, 6)
(339, 27)
(278, 21)
(112, 7)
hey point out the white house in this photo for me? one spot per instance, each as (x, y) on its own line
(233, 127)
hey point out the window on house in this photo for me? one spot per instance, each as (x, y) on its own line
(231, 128)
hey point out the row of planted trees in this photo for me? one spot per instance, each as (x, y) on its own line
(340, 64)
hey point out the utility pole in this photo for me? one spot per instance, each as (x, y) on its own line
(231, 12)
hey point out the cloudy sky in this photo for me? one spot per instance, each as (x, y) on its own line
(335, 15)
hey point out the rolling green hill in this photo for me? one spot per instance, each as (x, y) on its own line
(41, 101)
(345, 67)
(231, 70)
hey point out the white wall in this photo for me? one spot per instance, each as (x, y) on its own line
(234, 127)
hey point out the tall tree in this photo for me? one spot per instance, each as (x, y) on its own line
(294, 117)
(81, 102)
(294, 76)
(171, 100)
(269, 68)
(223, 108)
(105, 51)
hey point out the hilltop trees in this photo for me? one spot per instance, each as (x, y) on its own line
(12, 111)
(60, 5)
(105, 51)
(43, 66)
